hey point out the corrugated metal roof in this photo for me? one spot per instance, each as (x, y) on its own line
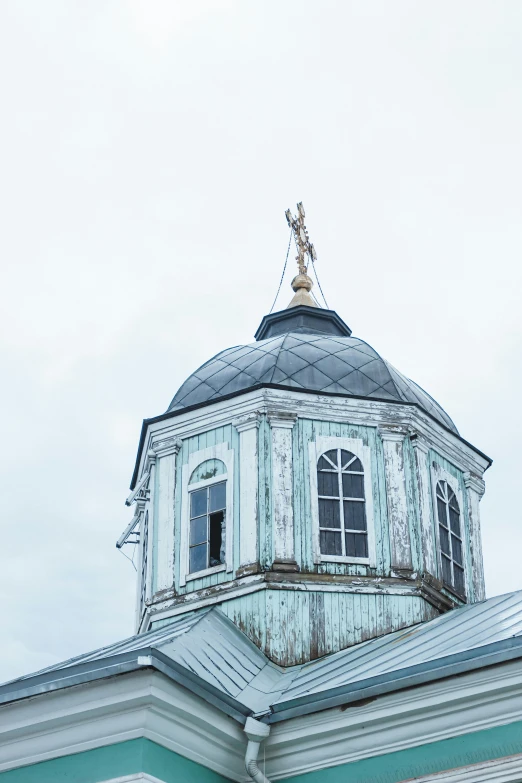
(460, 630)
(208, 653)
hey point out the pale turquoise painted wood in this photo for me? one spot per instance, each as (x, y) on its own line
(305, 432)
(293, 626)
(413, 504)
(227, 434)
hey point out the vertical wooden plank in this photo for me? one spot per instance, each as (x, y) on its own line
(247, 427)
(164, 539)
(397, 503)
(475, 490)
(429, 559)
(281, 425)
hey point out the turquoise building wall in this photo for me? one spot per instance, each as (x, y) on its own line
(142, 755)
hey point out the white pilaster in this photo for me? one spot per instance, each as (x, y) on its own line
(427, 541)
(166, 453)
(282, 490)
(475, 488)
(248, 427)
(151, 458)
(400, 544)
(140, 509)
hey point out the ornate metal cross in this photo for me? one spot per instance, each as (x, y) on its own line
(305, 249)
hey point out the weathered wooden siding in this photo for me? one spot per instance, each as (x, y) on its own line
(306, 431)
(434, 456)
(410, 469)
(266, 546)
(293, 627)
(229, 435)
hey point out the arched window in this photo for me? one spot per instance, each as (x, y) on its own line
(450, 538)
(207, 509)
(342, 514)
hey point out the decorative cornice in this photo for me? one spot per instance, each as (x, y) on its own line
(163, 448)
(396, 434)
(418, 442)
(163, 607)
(147, 704)
(476, 484)
(248, 422)
(282, 419)
(366, 412)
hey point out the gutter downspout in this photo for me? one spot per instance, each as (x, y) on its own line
(256, 733)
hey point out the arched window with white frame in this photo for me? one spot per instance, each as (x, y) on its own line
(450, 538)
(207, 516)
(343, 527)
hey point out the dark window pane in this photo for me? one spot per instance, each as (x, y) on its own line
(441, 489)
(456, 550)
(198, 503)
(198, 530)
(454, 522)
(217, 538)
(361, 545)
(329, 513)
(328, 484)
(218, 497)
(454, 505)
(354, 515)
(346, 457)
(446, 570)
(323, 464)
(198, 558)
(332, 456)
(330, 543)
(459, 579)
(441, 510)
(353, 486)
(444, 540)
(349, 542)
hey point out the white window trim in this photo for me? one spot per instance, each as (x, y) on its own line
(222, 452)
(438, 473)
(357, 447)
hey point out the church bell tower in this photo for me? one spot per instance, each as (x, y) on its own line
(306, 488)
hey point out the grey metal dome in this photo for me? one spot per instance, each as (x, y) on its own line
(316, 362)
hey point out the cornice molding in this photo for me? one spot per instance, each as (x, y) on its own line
(281, 419)
(365, 412)
(248, 422)
(163, 448)
(504, 770)
(391, 433)
(476, 484)
(170, 605)
(418, 442)
(147, 704)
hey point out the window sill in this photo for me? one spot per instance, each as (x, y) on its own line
(341, 559)
(206, 572)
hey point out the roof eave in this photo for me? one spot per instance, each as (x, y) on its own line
(125, 663)
(413, 676)
(170, 414)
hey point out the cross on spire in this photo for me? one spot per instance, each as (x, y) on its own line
(301, 284)
(305, 249)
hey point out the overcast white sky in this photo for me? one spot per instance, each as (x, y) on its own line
(149, 149)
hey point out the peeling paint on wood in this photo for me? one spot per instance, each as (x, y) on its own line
(306, 626)
(396, 498)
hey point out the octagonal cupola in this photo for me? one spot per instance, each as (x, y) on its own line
(306, 487)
